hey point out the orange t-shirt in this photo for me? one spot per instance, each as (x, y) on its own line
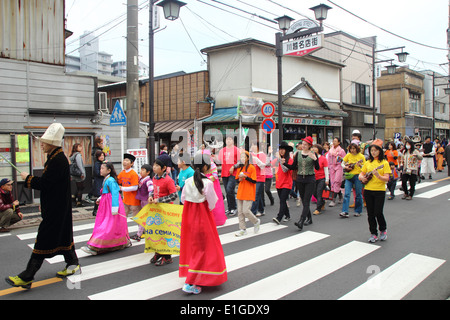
(246, 189)
(129, 179)
(390, 156)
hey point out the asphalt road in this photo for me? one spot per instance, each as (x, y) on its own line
(329, 260)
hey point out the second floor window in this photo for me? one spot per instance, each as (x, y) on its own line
(360, 94)
(414, 102)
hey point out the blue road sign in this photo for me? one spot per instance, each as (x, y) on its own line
(268, 126)
(118, 117)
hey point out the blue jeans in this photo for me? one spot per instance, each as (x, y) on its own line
(349, 184)
(258, 204)
(229, 184)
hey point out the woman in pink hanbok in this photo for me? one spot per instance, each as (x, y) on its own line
(334, 157)
(111, 228)
(219, 210)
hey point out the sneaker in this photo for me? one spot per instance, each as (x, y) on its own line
(316, 212)
(17, 282)
(192, 289)
(286, 219)
(299, 202)
(88, 250)
(227, 212)
(383, 235)
(343, 215)
(68, 271)
(241, 233)
(256, 226)
(163, 261)
(233, 212)
(332, 204)
(88, 199)
(373, 238)
(260, 214)
(408, 198)
(391, 197)
(155, 258)
(136, 237)
(275, 220)
(356, 214)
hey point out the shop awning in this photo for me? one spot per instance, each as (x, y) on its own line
(223, 115)
(171, 126)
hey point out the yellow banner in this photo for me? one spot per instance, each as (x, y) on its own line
(162, 223)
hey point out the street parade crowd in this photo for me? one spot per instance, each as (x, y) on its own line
(316, 175)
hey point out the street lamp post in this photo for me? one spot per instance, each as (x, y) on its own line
(284, 23)
(171, 12)
(391, 70)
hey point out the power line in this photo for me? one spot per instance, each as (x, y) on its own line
(385, 30)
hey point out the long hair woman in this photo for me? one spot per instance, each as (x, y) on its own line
(202, 260)
(375, 174)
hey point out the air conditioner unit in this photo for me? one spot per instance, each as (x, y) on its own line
(103, 102)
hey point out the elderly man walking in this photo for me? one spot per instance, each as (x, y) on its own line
(55, 234)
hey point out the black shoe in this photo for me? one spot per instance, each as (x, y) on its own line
(300, 223)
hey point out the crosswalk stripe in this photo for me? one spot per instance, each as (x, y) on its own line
(434, 193)
(112, 266)
(134, 228)
(5, 235)
(297, 277)
(396, 281)
(160, 285)
(418, 187)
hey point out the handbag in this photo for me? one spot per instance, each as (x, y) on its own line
(74, 169)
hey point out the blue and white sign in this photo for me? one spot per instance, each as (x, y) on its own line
(118, 117)
(398, 135)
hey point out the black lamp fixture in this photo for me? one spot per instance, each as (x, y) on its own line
(284, 22)
(171, 8)
(391, 69)
(321, 12)
(402, 56)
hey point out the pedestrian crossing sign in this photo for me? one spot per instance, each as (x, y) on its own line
(118, 117)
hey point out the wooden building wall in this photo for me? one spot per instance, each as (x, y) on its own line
(176, 98)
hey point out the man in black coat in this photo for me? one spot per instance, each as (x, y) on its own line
(55, 234)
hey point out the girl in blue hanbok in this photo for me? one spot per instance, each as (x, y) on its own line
(111, 229)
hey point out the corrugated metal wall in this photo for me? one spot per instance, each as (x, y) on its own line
(32, 30)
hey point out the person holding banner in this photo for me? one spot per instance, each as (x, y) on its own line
(111, 228)
(202, 260)
(164, 191)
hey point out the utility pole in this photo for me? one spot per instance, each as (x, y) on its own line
(132, 109)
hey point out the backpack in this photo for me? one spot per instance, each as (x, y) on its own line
(74, 169)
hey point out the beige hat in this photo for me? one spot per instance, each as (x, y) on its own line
(54, 135)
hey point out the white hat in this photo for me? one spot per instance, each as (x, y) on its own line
(356, 132)
(54, 134)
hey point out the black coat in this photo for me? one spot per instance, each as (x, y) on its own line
(55, 234)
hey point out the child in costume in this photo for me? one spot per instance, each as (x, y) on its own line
(202, 260)
(164, 191)
(111, 228)
(144, 190)
(128, 179)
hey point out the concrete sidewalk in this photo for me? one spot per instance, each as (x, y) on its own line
(32, 215)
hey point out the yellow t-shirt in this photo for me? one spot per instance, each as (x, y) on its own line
(351, 158)
(376, 184)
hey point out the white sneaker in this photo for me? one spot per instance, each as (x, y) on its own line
(332, 204)
(89, 251)
(299, 202)
(233, 212)
(256, 226)
(241, 233)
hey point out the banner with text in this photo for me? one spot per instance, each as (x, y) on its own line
(162, 223)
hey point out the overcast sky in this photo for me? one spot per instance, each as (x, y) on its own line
(205, 23)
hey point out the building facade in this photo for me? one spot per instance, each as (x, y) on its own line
(247, 71)
(402, 100)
